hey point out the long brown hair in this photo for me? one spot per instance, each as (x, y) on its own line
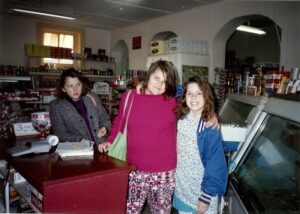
(71, 72)
(182, 109)
(169, 71)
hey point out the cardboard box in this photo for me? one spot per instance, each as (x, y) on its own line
(157, 47)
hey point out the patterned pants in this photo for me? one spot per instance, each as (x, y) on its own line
(157, 188)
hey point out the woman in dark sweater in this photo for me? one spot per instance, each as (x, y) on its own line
(77, 114)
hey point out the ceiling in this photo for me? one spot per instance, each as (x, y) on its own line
(105, 14)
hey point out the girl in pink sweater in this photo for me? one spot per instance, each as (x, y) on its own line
(151, 140)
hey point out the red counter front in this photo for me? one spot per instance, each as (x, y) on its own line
(76, 185)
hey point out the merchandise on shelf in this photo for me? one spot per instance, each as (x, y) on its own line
(47, 51)
(179, 44)
(11, 70)
(290, 83)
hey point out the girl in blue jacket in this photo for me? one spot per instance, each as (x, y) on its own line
(201, 172)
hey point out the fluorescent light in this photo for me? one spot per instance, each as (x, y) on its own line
(43, 14)
(251, 30)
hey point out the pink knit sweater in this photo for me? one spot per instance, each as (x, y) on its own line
(151, 132)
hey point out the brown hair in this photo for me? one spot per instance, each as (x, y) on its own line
(169, 70)
(71, 72)
(182, 109)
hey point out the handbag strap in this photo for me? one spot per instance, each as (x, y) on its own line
(128, 95)
(126, 101)
(92, 99)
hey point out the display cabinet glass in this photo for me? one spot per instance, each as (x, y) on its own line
(267, 178)
(242, 111)
(235, 112)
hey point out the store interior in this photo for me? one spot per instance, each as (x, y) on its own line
(116, 41)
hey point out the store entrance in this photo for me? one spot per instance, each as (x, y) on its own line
(237, 55)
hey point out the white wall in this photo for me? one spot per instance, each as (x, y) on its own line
(17, 31)
(215, 23)
(98, 39)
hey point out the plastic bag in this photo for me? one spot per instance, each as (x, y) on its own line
(119, 147)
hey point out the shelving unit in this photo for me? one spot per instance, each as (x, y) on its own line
(93, 78)
(92, 69)
(14, 78)
(45, 77)
(22, 188)
(55, 76)
(81, 64)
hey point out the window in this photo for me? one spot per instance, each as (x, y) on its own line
(63, 39)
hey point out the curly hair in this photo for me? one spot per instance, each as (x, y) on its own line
(71, 72)
(169, 71)
(181, 109)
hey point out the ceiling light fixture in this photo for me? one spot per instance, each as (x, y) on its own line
(43, 14)
(251, 30)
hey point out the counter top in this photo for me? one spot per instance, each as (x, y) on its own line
(86, 184)
(50, 168)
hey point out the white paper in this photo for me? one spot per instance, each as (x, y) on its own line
(66, 149)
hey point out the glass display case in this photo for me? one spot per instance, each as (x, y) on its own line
(242, 111)
(267, 178)
(237, 108)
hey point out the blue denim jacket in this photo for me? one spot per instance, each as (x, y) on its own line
(213, 159)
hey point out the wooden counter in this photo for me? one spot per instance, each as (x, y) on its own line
(93, 184)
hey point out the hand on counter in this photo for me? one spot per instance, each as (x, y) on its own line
(104, 147)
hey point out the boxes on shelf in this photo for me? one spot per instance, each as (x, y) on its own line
(180, 44)
(272, 78)
(157, 47)
(47, 51)
(101, 52)
(87, 52)
(177, 44)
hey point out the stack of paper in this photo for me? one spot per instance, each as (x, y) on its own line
(68, 149)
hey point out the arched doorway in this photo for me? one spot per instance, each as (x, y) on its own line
(164, 35)
(235, 51)
(245, 49)
(159, 47)
(121, 54)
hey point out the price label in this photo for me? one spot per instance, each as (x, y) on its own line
(23, 129)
